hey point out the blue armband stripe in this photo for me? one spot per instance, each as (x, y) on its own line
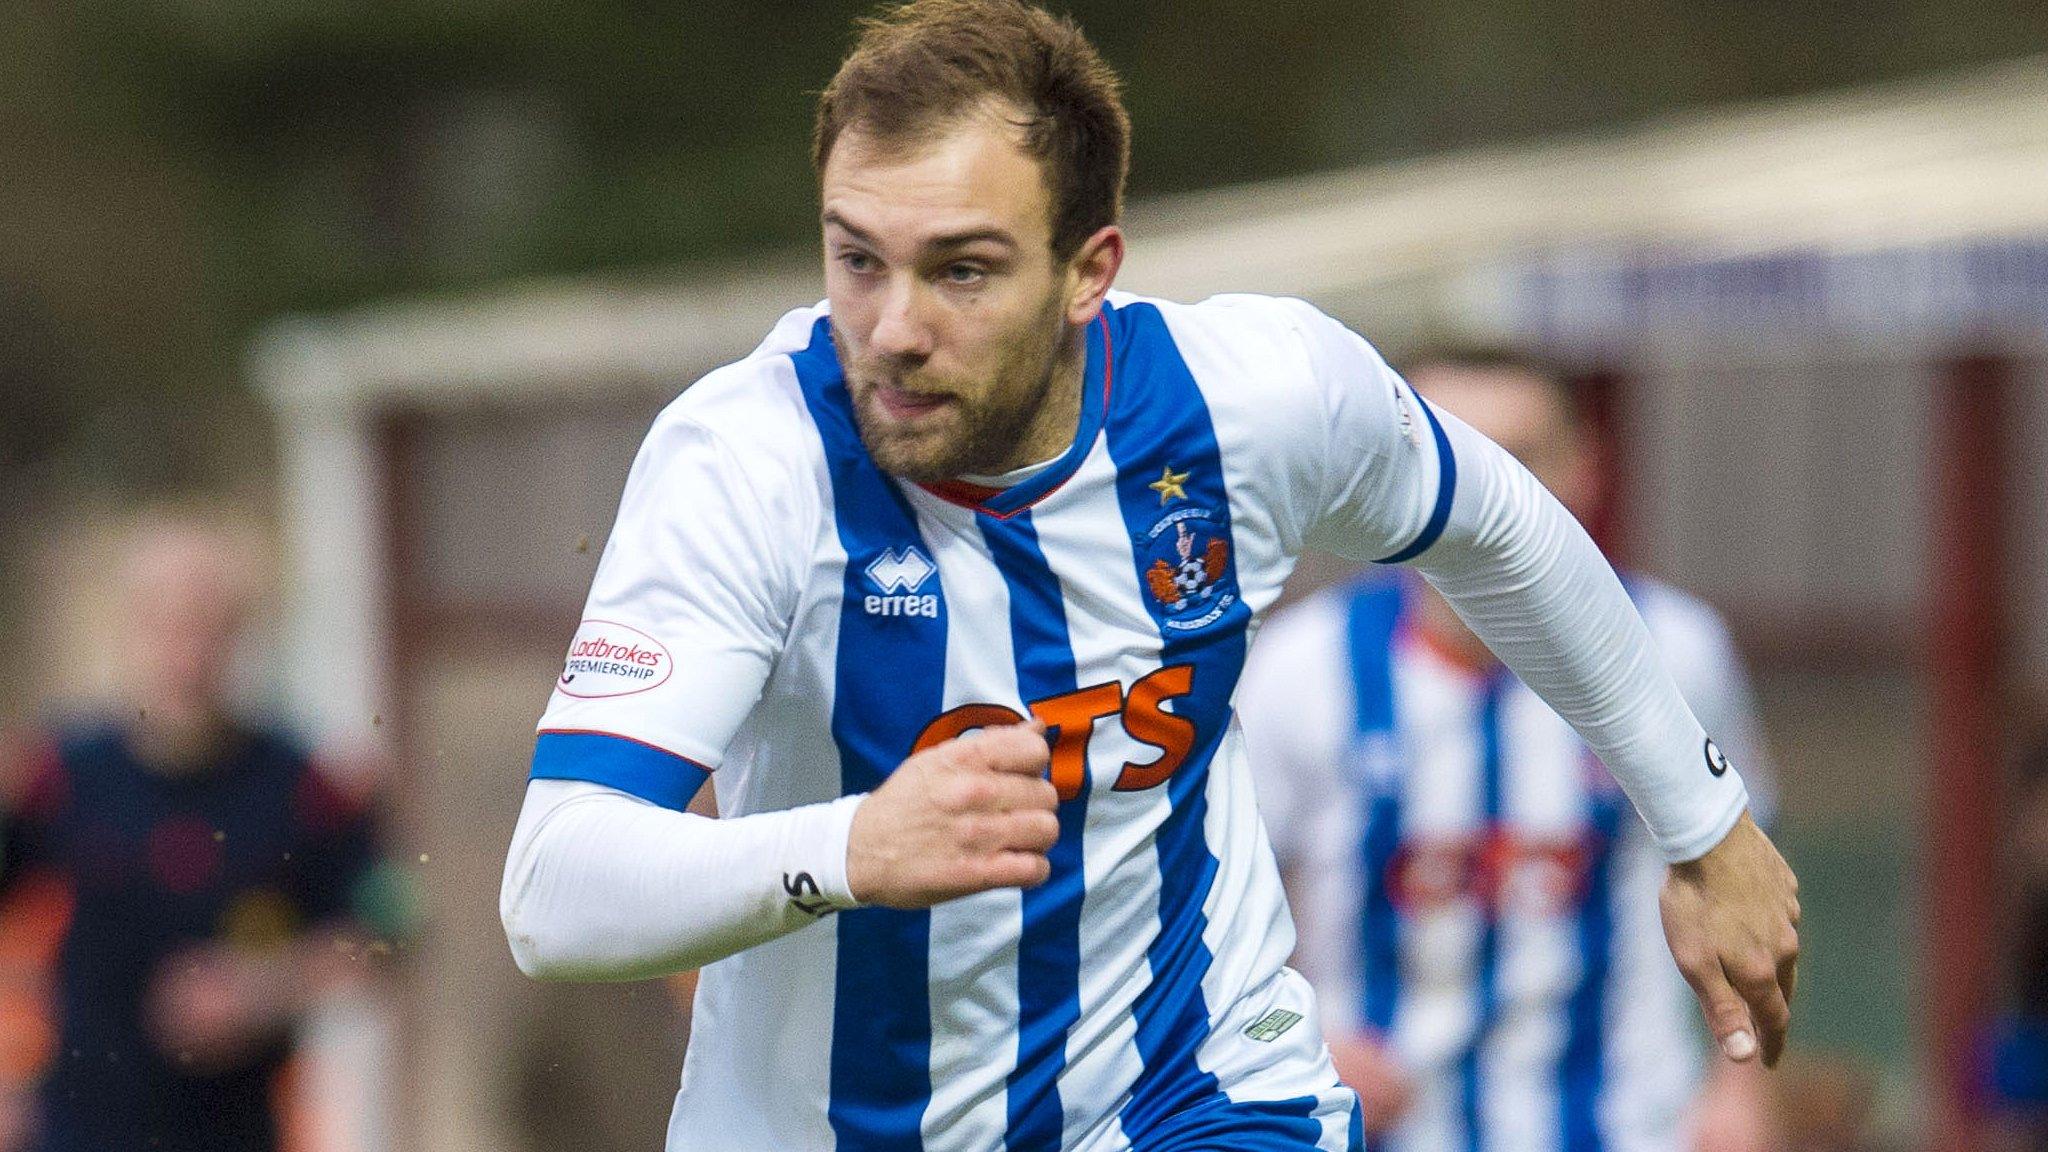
(1446, 489)
(653, 774)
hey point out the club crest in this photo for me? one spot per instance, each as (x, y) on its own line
(1187, 569)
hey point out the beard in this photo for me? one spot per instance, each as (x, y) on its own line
(977, 427)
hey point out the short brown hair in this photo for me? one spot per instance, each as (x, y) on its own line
(920, 66)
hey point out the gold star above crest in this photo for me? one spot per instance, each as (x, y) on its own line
(1169, 485)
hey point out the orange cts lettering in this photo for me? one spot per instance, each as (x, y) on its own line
(1146, 719)
(1072, 716)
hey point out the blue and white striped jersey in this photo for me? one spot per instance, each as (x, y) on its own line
(775, 613)
(1469, 882)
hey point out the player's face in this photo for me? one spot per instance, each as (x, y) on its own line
(1522, 414)
(955, 324)
(187, 597)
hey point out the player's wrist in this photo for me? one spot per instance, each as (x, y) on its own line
(820, 849)
(1727, 854)
(1714, 814)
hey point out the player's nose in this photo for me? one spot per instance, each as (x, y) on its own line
(901, 330)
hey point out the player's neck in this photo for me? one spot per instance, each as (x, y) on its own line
(179, 738)
(998, 481)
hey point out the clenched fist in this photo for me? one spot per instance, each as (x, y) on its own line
(965, 816)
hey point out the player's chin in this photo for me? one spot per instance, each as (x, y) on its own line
(923, 450)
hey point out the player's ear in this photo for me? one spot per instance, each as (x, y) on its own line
(1091, 271)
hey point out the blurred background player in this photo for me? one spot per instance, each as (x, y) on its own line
(1494, 980)
(2016, 1046)
(216, 878)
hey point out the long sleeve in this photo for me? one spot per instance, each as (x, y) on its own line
(602, 885)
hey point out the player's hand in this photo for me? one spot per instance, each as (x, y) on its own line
(966, 816)
(1385, 1090)
(1732, 919)
(210, 1008)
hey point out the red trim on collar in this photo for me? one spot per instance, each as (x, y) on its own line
(962, 492)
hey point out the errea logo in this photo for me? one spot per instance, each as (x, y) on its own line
(898, 575)
(904, 571)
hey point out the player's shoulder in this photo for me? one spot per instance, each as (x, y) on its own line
(329, 795)
(277, 762)
(85, 741)
(751, 409)
(1271, 324)
(76, 758)
(754, 402)
(1278, 354)
(1274, 369)
(272, 750)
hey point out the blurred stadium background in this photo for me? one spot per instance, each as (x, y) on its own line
(401, 286)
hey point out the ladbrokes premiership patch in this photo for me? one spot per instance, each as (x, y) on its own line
(611, 659)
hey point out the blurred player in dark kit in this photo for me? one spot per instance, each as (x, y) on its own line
(221, 882)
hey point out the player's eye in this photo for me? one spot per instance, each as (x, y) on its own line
(965, 275)
(857, 262)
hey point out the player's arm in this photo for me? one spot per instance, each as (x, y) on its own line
(1701, 654)
(1408, 484)
(1702, 657)
(601, 885)
(607, 877)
